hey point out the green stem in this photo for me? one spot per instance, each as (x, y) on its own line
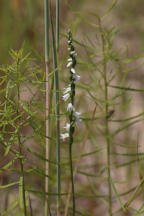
(71, 172)
(57, 97)
(47, 101)
(107, 132)
(57, 113)
(71, 132)
(72, 122)
(57, 24)
(46, 20)
(20, 144)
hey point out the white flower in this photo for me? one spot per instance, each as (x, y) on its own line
(78, 121)
(69, 64)
(69, 41)
(73, 70)
(67, 127)
(69, 48)
(73, 53)
(70, 60)
(65, 96)
(77, 117)
(70, 107)
(76, 77)
(64, 136)
(68, 89)
(77, 114)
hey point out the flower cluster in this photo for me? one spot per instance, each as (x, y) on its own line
(69, 92)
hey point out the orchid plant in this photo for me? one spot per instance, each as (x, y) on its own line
(69, 92)
(74, 116)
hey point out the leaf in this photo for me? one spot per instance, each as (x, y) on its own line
(139, 211)
(91, 195)
(90, 175)
(129, 60)
(127, 89)
(91, 153)
(134, 195)
(38, 171)
(109, 9)
(8, 185)
(25, 58)
(127, 163)
(127, 192)
(44, 193)
(128, 119)
(27, 109)
(4, 168)
(129, 154)
(10, 142)
(39, 155)
(117, 195)
(125, 127)
(10, 209)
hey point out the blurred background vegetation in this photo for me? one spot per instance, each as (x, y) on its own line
(23, 21)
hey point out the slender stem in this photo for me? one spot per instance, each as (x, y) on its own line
(78, 161)
(71, 172)
(47, 141)
(57, 102)
(71, 132)
(46, 20)
(22, 175)
(20, 144)
(72, 118)
(107, 133)
(57, 114)
(57, 24)
(47, 102)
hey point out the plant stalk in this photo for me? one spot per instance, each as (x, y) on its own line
(71, 132)
(57, 24)
(77, 164)
(47, 101)
(107, 132)
(72, 177)
(20, 144)
(57, 114)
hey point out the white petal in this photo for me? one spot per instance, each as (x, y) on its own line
(73, 52)
(78, 121)
(70, 60)
(66, 96)
(77, 114)
(68, 89)
(69, 64)
(67, 127)
(64, 136)
(70, 107)
(73, 70)
(76, 77)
